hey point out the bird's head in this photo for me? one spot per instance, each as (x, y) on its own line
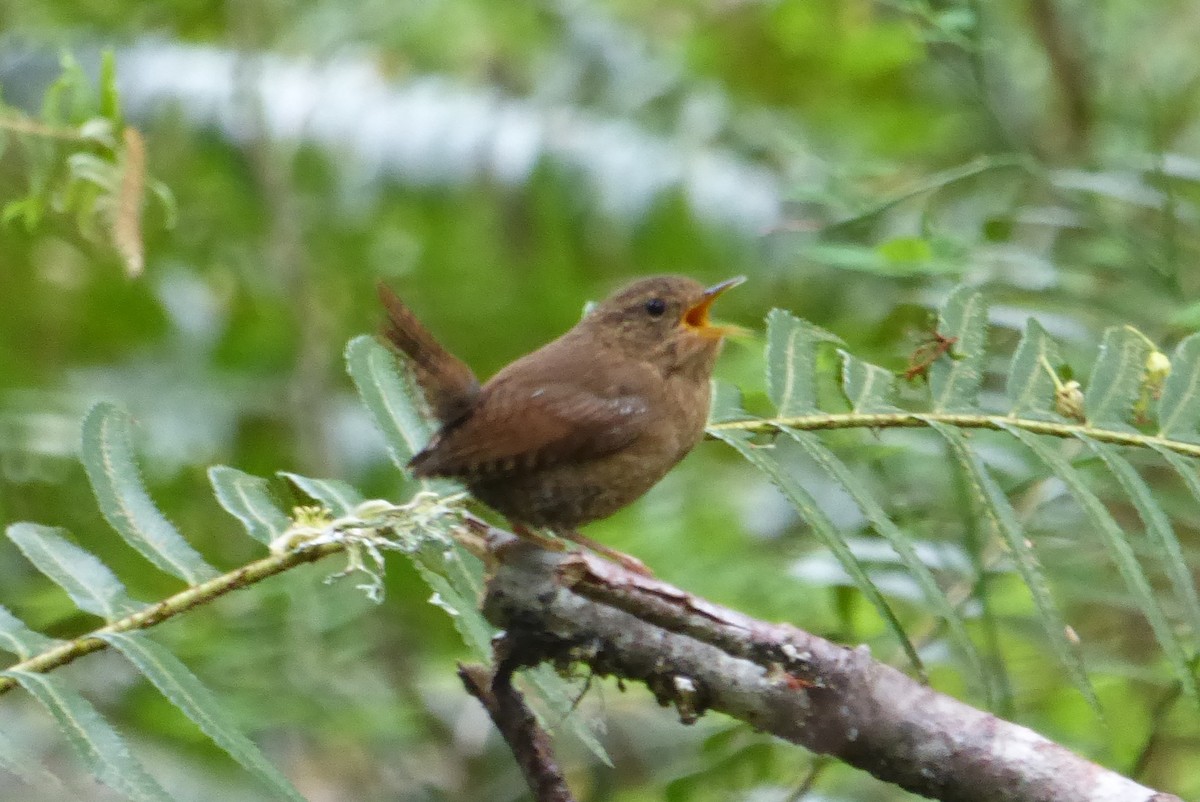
(664, 319)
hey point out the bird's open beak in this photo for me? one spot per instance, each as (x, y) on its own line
(696, 317)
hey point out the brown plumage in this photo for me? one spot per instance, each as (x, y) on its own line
(585, 424)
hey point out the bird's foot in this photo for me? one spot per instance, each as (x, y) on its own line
(548, 543)
(626, 561)
(629, 562)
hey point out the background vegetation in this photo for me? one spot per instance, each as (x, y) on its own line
(499, 164)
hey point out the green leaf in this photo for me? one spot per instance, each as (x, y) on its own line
(1188, 317)
(1179, 407)
(93, 739)
(248, 498)
(89, 582)
(110, 99)
(823, 528)
(90, 168)
(869, 388)
(900, 543)
(107, 456)
(906, 250)
(874, 260)
(184, 690)
(18, 639)
(846, 257)
(1031, 380)
(554, 692)
(955, 377)
(1160, 534)
(392, 398)
(55, 106)
(457, 592)
(99, 130)
(1186, 470)
(1116, 382)
(166, 201)
(30, 209)
(1125, 186)
(792, 362)
(20, 762)
(995, 507)
(1122, 553)
(725, 403)
(339, 497)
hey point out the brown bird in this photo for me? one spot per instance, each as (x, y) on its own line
(582, 426)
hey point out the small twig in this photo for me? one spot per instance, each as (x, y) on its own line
(981, 420)
(126, 216)
(529, 743)
(311, 537)
(19, 124)
(181, 602)
(806, 785)
(1158, 716)
(927, 185)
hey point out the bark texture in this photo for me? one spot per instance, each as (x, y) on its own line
(697, 656)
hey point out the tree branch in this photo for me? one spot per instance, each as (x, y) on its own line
(1068, 66)
(697, 656)
(529, 743)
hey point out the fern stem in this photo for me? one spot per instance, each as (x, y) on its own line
(916, 420)
(151, 615)
(20, 124)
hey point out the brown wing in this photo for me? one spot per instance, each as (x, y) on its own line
(522, 425)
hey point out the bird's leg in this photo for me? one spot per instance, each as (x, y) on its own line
(548, 543)
(626, 561)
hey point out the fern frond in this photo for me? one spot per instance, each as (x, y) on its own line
(107, 456)
(92, 738)
(997, 511)
(95, 589)
(336, 496)
(921, 420)
(248, 498)
(188, 693)
(825, 530)
(937, 599)
(1132, 387)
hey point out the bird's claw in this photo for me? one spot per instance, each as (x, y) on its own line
(631, 564)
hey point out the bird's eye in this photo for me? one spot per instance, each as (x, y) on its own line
(655, 307)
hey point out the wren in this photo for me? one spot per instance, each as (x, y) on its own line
(584, 425)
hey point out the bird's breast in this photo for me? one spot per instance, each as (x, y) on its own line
(569, 494)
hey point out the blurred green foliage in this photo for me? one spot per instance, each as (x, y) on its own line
(1045, 150)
